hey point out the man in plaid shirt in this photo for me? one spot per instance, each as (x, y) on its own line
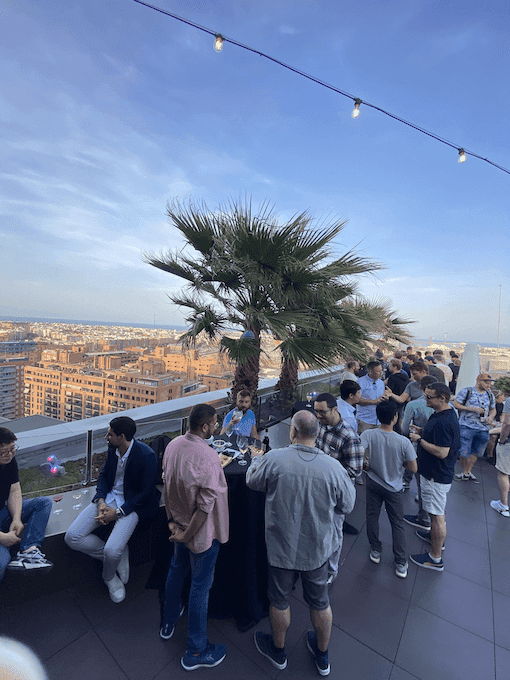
(338, 439)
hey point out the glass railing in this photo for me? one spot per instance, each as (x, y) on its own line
(69, 456)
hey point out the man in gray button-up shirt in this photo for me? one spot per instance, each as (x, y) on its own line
(304, 489)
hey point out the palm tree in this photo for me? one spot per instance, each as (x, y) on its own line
(246, 270)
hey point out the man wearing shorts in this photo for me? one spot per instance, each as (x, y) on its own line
(305, 488)
(477, 408)
(438, 448)
(503, 463)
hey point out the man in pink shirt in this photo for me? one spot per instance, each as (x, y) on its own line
(196, 502)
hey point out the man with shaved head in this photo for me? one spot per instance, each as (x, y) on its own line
(305, 488)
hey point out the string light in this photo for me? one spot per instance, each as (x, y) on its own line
(355, 111)
(220, 39)
(218, 43)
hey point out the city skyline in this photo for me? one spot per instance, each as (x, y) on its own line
(110, 110)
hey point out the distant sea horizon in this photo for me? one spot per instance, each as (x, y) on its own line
(177, 327)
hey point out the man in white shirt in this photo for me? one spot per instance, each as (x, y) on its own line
(372, 393)
(441, 364)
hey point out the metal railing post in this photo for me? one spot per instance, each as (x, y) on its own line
(88, 463)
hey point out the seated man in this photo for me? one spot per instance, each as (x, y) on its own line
(126, 492)
(17, 515)
(241, 420)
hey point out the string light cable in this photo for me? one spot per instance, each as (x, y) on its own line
(220, 39)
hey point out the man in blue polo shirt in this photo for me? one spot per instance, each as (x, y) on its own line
(241, 419)
(438, 449)
(372, 393)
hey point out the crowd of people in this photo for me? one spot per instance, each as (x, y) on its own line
(392, 421)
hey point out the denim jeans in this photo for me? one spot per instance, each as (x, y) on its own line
(376, 494)
(202, 574)
(35, 513)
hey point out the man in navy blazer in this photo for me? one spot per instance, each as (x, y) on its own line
(126, 492)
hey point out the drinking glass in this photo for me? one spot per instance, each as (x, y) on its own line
(56, 499)
(77, 494)
(242, 445)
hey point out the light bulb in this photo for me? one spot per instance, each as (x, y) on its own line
(462, 156)
(355, 111)
(218, 42)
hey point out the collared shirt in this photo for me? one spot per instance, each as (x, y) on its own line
(347, 412)
(116, 495)
(483, 400)
(194, 478)
(370, 389)
(304, 489)
(343, 444)
(244, 425)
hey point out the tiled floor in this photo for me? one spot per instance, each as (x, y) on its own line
(449, 626)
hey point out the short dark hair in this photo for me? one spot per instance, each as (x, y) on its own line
(351, 363)
(6, 436)
(328, 398)
(441, 390)
(396, 363)
(123, 425)
(244, 393)
(201, 414)
(398, 355)
(347, 388)
(419, 367)
(373, 364)
(386, 411)
(427, 381)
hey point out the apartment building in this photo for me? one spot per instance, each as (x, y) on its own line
(11, 386)
(72, 392)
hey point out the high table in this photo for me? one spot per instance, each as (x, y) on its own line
(239, 588)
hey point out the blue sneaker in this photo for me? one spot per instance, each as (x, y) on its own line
(264, 644)
(167, 630)
(320, 658)
(427, 562)
(212, 656)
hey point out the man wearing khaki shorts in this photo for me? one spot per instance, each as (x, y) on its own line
(503, 463)
(438, 449)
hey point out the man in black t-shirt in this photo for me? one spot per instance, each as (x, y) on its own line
(19, 517)
(438, 449)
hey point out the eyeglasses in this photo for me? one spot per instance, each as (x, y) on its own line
(11, 451)
(320, 412)
(428, 397)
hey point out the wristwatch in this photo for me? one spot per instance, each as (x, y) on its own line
(418, 441)
(118, 513)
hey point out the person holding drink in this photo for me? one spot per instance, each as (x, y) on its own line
(241, 420)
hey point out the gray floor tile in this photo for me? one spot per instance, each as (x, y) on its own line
(467, 561)
(464, 603)
(400, 674)
(235, 665)
(500, 572)
(466, 529)
(371, 614)
(434, 648)
(470, 504)
(48, 624)
(502, 663)
(136, 628)
(502, 621)
(83, 659)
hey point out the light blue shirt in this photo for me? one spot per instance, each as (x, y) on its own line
(346, 412)
(370, 389)
(244, 425)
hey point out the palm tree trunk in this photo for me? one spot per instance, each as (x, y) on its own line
(288, 376)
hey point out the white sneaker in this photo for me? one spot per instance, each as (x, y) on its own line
(499, 507)
(401, 570)
(123, 568)
(116, 589)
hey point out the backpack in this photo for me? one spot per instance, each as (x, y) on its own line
(492, 399)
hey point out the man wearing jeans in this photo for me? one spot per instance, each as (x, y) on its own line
(438, 448)
(196, 502)
(17, 516)
(126, 492)
(305, 489)
(477, 408)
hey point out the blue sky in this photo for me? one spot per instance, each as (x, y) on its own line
(109, 110)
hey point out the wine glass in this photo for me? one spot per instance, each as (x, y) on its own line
(56, 499)
(77, 494)
(242, 445)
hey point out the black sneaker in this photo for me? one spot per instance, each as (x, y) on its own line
(28, 561)
(425, 536)
(264, 644)
(427, 562)
(212, 656)
(415, 521)
(320, 658)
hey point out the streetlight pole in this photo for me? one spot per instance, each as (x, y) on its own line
(499, 314)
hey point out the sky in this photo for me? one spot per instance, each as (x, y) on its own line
(110, 110)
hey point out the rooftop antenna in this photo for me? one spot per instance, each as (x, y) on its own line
(499, 313)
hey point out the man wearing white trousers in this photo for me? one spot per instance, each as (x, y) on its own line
(126, 492)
